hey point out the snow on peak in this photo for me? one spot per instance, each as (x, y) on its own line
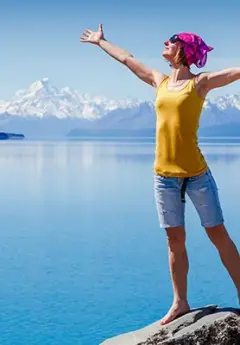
(223, 102)
(40, 84)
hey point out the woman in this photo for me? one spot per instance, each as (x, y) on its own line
(179, 165)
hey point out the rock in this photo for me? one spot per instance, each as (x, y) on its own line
(208, 325)
(6, 136)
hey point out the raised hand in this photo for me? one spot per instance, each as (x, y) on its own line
(90, 36)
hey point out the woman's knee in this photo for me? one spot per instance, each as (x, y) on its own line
(218, 234)
(176, 237)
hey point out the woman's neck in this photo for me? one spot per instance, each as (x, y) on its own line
(180, 73)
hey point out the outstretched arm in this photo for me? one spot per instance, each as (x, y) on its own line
(148, 75)
(213, 80)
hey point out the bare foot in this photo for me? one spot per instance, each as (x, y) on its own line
(177, 309)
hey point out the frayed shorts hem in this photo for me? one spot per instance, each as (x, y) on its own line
(212, 224)
(166, 226)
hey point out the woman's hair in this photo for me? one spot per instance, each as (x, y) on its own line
(181, 58)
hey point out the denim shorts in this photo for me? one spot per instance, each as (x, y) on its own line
(201, 189)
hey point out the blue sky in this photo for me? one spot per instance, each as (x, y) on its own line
(41, 39)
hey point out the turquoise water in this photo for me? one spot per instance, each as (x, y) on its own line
(82, 256)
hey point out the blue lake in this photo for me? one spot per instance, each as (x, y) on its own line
(82, 256)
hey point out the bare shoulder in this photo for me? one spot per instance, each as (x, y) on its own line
(158, 77)
(201, 78)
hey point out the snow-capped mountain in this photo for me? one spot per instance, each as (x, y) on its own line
(42, 99)
(45, 110)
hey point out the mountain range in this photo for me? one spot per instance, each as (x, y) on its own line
(43, 110)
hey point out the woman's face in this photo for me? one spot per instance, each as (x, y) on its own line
(170, 50)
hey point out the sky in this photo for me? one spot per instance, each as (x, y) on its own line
(42, 39)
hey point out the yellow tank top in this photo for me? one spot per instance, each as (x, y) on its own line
(178, 114)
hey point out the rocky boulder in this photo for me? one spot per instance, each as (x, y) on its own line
(208, 325)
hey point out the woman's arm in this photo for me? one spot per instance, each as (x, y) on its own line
(213, 80)
(148, 75)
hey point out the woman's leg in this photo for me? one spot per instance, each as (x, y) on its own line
(178, 264)
(171, 216)
(228, 252)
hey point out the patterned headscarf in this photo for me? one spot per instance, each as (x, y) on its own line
(195, 49)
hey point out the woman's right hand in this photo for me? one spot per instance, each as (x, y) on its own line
(90, 36)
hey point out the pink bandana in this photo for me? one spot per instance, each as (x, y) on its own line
(195, 49)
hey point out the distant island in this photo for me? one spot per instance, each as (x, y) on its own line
(7, 136)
